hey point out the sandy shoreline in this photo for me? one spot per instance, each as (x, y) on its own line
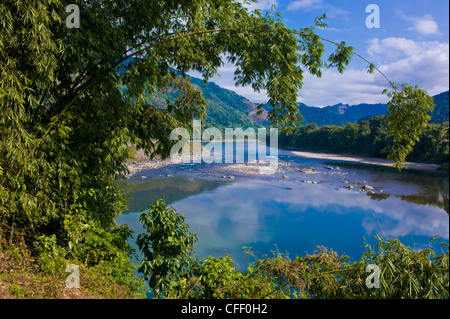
(365, 160)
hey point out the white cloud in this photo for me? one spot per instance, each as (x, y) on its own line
(331, 11)
(403, 44)
(425, 25)
(391, 47)
(424, 63)
(402, 60)
(353, 87)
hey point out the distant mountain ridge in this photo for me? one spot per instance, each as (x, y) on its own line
(232, 107)
(339, 114)
(226, 108)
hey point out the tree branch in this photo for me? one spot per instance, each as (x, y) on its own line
(170, 39)
(358, 55)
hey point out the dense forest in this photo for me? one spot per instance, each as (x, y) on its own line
(368, 138)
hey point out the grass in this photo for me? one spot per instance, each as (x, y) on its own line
(21, 278)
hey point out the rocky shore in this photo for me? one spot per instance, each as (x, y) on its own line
(142, 162)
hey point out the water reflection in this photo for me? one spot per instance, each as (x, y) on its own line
(294, 216)
(146, 192)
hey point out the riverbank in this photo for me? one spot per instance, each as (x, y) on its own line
(365, 160)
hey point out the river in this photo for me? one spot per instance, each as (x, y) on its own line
(306, 204)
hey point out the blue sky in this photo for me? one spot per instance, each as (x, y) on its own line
(411, 46)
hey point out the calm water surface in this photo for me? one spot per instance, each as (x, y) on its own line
(269, 212)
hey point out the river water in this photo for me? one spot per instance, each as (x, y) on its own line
(286, 212)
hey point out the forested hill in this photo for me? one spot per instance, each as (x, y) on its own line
(225, 108)
(440, 113)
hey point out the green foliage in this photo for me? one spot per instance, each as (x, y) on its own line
(405, 273)
(408, 114)
(341, 58)
(433, 145)
(215, 276)
(440, 113)
(88, 242)
(167, 246)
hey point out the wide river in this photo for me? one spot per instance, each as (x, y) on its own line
(288, 213)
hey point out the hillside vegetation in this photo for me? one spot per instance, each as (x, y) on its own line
(224, 109)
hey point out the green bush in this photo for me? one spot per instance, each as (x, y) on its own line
(50, 256)
(167, 247)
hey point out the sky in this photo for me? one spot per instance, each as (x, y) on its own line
(411, 45)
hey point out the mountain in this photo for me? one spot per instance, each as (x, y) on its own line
(227, 109)
(341, 114)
